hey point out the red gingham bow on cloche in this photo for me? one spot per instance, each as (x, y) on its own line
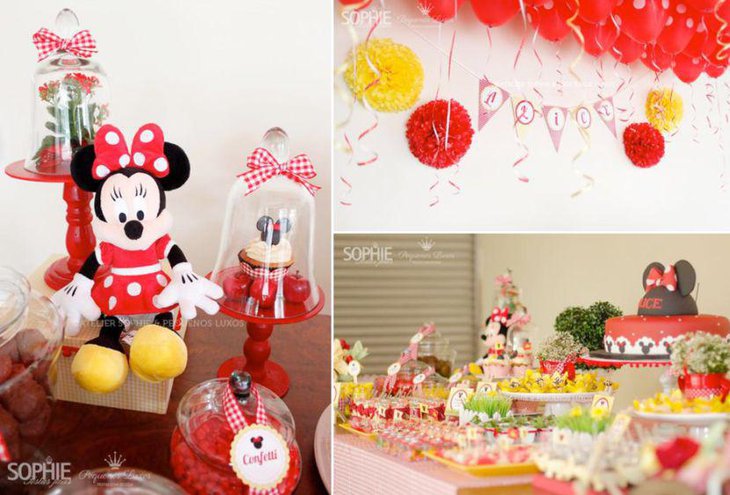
(81, 44)
(147, 153)
(264, 166)
(500, 315)
(666, 279)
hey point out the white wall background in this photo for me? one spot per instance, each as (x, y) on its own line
(682, 193)
(214, 75)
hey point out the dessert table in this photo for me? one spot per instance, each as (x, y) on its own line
(363, 469)
(84, 435)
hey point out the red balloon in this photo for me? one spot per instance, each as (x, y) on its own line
(597, 38)
(656, 59)
(550, 19)
(687, 68)
(680, 26)
(641, 20)
(495, 12)
(715, 70)
(595, 11)
(696, 44)
(703, 6)
(626, 50)
(717, 37)
(440, 10)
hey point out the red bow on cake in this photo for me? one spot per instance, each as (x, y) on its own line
(147, 152)
(81, 44)
(500, 315)
(657, 278)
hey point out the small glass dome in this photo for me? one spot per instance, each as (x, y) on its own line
(70, 102)
(265, 262)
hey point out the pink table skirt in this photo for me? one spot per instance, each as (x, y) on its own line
(361, 469)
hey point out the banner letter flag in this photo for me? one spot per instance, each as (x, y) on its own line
(491, 99)
(555, 118)
(524, 113)
(605, 110)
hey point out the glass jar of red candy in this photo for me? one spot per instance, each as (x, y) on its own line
(201, 443)
(31, 331)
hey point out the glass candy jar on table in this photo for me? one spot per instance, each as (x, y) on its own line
(31, 331)
(201, 443)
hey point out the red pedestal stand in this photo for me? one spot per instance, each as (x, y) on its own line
(256, 348)
(80, 240)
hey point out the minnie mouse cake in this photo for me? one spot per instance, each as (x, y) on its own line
(666, 311)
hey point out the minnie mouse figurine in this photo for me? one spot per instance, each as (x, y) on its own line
(132, 225)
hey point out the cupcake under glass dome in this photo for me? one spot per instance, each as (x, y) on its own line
(265, 262)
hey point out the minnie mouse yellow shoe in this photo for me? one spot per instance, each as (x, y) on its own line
(157, 354)
(100, 365)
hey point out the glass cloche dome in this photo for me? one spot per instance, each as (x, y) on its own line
(265, 263)
(70, 97)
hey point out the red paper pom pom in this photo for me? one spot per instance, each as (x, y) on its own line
(644, 145)
(426, 133)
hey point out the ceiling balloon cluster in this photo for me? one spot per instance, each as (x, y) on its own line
(687, 36)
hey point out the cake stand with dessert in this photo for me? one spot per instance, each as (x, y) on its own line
(266, 259)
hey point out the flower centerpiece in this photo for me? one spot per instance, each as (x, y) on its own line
(350, 388)
(558, 353)
(701, 361)
(74, 115)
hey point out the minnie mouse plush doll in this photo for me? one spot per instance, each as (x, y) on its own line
(132, 226)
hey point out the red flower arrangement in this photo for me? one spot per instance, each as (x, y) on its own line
(644, 145)
(426, 133)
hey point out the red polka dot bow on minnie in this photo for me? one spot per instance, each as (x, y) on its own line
(500, 315)
(147, 153)
(264, 166)
(657, 278)
(81, 44)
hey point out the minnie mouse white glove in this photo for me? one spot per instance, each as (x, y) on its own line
(74, 300)
(189, 291)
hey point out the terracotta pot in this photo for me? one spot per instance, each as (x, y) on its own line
(708, 385)
(551, 367)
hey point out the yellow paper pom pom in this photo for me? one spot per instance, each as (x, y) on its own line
(400, 77)
(664, 109)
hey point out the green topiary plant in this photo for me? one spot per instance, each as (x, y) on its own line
(586, 325)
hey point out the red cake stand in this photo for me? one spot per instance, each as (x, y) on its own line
(80, 240)
(256, 348)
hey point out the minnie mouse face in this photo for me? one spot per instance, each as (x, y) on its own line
(257, 442)
(130, 185)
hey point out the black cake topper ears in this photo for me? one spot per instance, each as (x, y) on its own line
(686, 276)
(271, 230)
(83, 161)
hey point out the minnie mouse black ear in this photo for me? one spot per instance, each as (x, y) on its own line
(648, 269)
(686, 277)
(284, 224)
(81, 165)
(264, 223)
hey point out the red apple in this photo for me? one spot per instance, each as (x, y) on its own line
(236, 286)
(257, 292)
(296, 288)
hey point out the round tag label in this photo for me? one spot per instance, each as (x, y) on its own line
(393, 369)
(491, 98)
(417, 338)
(524, 112)
(354, 368)
(419, 378)
(260, 457)
(583, 117)
(555, 119)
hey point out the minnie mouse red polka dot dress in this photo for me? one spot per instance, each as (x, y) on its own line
(135, 280)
